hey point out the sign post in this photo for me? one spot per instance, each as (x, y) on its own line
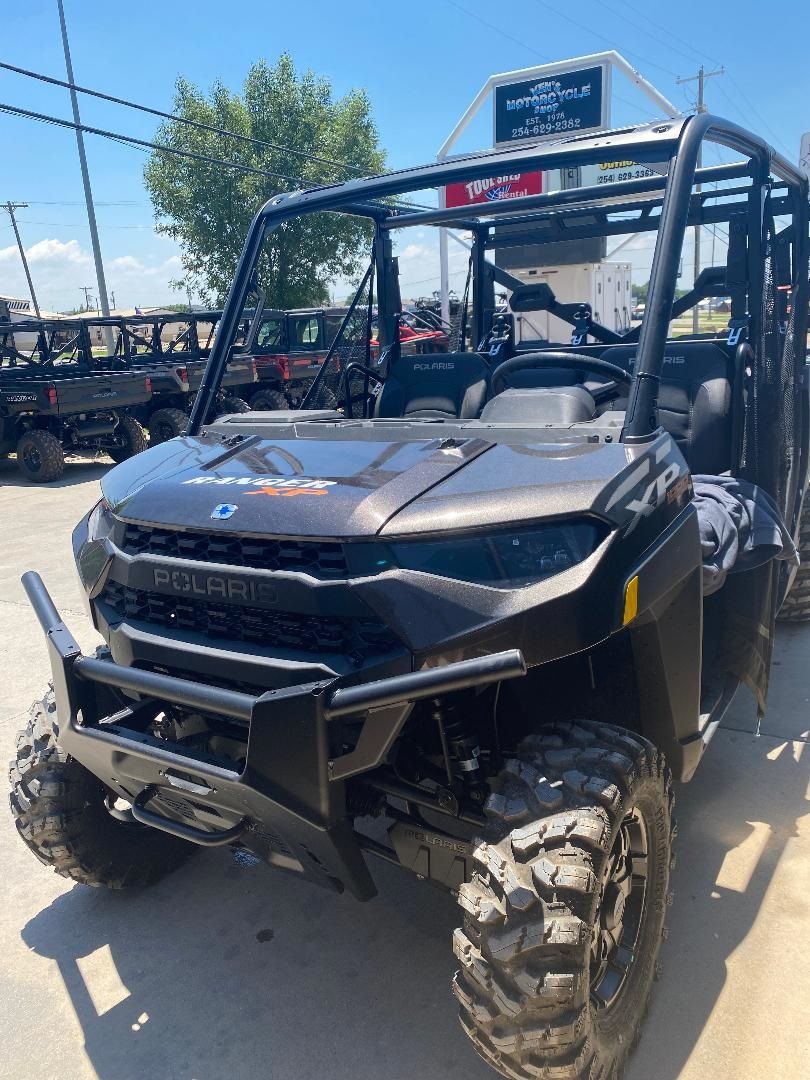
(804, 154)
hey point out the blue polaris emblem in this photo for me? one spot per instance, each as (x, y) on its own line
(223, 511)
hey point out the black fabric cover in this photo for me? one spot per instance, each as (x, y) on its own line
(740, 528)
(695, 400)
(440, 385)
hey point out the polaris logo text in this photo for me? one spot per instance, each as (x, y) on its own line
(440, 841)
(435, 366)
(180, 581)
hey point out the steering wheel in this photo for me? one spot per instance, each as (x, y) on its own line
(524, 361)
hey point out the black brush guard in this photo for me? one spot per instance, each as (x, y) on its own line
(287, 801)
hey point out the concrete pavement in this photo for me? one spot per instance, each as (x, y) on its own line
(228, 969)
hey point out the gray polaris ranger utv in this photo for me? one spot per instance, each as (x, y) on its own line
(469, 601)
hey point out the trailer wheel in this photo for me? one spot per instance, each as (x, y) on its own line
(40, 456)
(165, 424)
(134, 439)
(227, 405)
(563, 917)
(269, 401)
(68, 818)
(796, 605)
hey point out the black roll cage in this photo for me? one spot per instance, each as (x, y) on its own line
(676, 141)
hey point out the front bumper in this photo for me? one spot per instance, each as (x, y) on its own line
(286, 800)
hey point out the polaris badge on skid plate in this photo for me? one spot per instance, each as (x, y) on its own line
(469, 600)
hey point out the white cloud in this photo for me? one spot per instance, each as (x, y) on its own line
(416, 251)
(55, 252)
(126, 262)
(61, 268)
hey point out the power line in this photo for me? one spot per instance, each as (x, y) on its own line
(595, 33)
(62, 202)
(179, 119)
(16, 110)
(640, 25)
(528, 48)
(757, 114)
(644, 15)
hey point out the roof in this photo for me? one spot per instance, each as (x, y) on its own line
(646, 143)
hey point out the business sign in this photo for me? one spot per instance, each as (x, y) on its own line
(494, 189)
(558, 104)
(611, 172)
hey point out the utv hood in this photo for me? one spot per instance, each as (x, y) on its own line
(340, 483)
(297, 486)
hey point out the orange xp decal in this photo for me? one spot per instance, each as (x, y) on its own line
(288, 491)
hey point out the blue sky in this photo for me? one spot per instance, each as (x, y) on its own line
(438, 55)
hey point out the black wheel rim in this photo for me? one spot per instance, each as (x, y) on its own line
(31, 458)
(621, 912)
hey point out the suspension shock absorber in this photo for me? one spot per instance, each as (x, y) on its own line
(460, 743)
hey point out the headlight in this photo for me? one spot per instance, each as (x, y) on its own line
(89, 546)
(506, 559)
(99, 521)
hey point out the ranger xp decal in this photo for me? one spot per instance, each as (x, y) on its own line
(269, 485)
(660, 477)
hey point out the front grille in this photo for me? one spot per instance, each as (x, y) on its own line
(351, 636)
(320, 559)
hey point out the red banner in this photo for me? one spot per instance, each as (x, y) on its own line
(494, 189)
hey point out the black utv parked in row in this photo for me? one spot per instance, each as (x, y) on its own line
(53, 403)
(473, 602)
(172, 348)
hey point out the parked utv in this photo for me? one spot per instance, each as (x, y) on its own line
(172, 349)
(53, 403)
(289, 348)
(472, 602)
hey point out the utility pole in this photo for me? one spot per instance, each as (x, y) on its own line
(701, 78)
(86, 289)
(112, 299)
(88, 194)
(11, 207)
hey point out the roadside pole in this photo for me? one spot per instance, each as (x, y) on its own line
(88, 194)
(11, 207)
(701, 77)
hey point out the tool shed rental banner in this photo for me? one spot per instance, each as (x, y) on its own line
(494, 189)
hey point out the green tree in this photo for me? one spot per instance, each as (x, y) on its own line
(207, 208)
(640, 291)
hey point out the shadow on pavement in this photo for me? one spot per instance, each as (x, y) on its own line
(77, 471)
(748, 793)
(232, 969)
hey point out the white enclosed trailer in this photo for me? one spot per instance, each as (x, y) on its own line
(606, 286)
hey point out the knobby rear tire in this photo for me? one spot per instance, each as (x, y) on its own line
(134, 439)
(796, 605)
(40, 456)
(165, 424)
(269, 401)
